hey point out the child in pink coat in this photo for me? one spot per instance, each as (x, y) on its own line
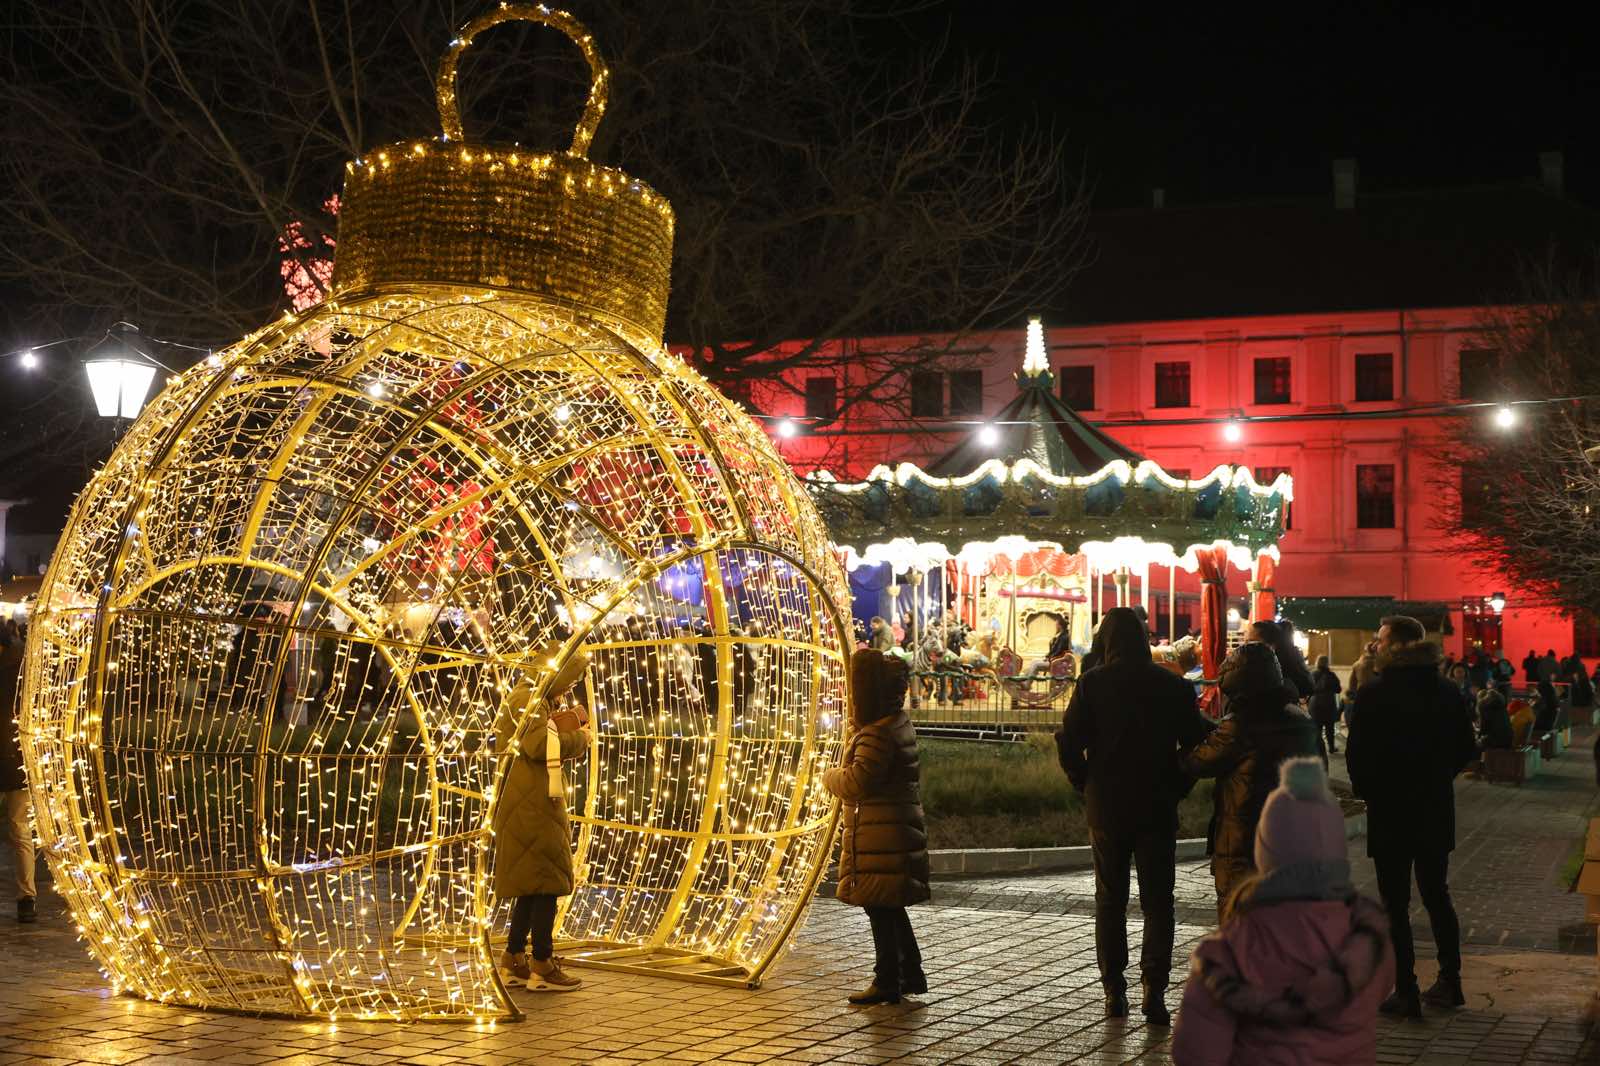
(1297, 971)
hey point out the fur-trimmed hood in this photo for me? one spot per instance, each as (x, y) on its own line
(1422, 653)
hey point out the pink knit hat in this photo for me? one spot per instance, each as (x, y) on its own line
(1301, 823)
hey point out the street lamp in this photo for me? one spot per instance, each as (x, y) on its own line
(1505, 417)
(1232, 431)
(1498, 602)
(988, 436)
(788, 427)
(119, 373)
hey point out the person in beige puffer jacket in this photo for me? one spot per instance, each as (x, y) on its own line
(532, 837)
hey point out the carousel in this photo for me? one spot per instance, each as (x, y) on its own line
(1019, 539)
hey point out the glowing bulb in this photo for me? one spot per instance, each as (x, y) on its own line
(1232, 431)
(563, 412)
(787, 427)
(29, 360)
(376, 390)
(1505, 417)
(988, 436)
(213, 360)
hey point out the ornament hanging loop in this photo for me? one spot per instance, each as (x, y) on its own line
(599, 75)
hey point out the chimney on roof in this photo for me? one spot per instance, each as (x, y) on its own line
(1552, 172)
(1158, 198)
(1344, 184)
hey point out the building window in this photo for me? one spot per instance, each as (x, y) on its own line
(1374, 377)
(1474, 500)
(966, 392)
(1375, 496)
(1585, 635)
(1077, 387)
(1478, 368)
(738, 392)
(1266, 475)
(1272, 380)
(822, 398)
(927, 394)
(1172, 384)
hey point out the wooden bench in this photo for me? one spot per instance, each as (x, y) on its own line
(1515, 765)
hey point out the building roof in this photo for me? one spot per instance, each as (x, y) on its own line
(1392, 251)
(1037, 425)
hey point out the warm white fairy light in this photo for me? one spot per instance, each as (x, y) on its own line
(1035, 359)
(272, 645)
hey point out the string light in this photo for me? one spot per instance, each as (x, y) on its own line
(270, 655)
(29, 359)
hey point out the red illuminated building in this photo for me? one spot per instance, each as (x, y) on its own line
(1331, 338)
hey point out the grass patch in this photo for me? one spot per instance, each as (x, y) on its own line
(979, 795)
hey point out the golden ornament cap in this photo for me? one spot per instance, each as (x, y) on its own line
(553, 225)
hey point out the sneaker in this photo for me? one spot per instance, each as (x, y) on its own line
(550, 977)
(514, 967)
(1403, 1003)
(1445, 994)
(25, 910)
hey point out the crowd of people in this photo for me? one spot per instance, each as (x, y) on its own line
(1301, 964)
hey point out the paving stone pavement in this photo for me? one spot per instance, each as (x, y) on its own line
(1011, 962)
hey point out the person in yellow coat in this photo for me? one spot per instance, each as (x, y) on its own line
(532, 837)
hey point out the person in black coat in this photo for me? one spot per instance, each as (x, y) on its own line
(1260, 728)
(1546, 711)
(1325, 702)
(1410, 735)
(1494, 722)
(1290, 661)
(1119, 744)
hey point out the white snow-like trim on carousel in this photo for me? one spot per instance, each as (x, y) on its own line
(906, 553)
(905, 473)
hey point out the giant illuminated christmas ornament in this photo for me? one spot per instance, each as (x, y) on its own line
(270, 650)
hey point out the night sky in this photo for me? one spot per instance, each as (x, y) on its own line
(1219, 103)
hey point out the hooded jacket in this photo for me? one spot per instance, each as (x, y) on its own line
(1494, 722)
(1261, 729)
(1124, 727)
(532, 837)
(12, 778)
(1410, 735)
(883, 857)
(1287, 982)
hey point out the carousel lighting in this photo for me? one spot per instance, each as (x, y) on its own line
(1234, 616)
(988, 436)
(339, 865)
(1232, 431)
(1505, 417)
(1035, 358)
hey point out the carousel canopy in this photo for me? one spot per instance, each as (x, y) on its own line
(1043, 477)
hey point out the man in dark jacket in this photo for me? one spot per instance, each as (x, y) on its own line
(1410, 735)
(1119, 743)
(1260, 728)
(15, 802)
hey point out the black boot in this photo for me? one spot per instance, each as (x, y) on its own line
(1155, 1006)
(1116, 1004)
(914, 983)
(25, 910)
(1446, 993)
(1403, 1003)
(873, 995)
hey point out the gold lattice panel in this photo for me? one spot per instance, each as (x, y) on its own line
(267, 658)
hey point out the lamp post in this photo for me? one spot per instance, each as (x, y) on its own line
(120, 372)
